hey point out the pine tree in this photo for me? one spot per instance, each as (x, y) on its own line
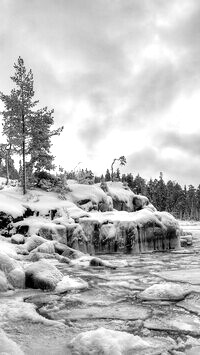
(26, 129)
(107, 175)
(122, 161)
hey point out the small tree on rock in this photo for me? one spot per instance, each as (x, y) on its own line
(122, 161)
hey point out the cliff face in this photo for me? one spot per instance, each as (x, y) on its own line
(80, 223)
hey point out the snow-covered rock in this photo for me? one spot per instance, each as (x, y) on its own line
(47, 247)
(8, 346)
(121, 195)
(12, 270)
(106, 342)
(17, 239)
(33, 242)
(166, 291)
(68, 283)
(42, 274)
(88, 197)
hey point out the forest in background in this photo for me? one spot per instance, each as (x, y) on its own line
(182, 203)
(170, 196)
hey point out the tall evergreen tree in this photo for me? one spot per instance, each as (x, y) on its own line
(107, 175)
(27, 129)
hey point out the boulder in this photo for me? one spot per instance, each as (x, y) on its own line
(107, 342)
(47, 247)
(17, 239)
(165, 292)
(186, 240)
(72, 253)
(68, 283)
(33, 242)
(12, 270)
(43, 275)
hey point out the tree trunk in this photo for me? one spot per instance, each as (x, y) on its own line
(23, 155)
(7, 168)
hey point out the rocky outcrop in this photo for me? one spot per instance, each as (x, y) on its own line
(130, 232)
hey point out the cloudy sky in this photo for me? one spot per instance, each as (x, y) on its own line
(122, 75)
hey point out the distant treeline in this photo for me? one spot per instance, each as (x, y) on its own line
(183, 203)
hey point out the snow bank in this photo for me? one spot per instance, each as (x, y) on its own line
(12, 202)
(88, 197)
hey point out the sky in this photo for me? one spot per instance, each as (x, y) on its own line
(123, 77)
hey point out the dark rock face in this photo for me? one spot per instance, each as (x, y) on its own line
(43, 275)
(120, 205)
(54, 232)
(5, 224)
(139, 202)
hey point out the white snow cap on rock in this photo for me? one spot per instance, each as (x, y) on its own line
(106, 342)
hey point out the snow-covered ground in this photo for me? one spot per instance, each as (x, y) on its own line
(108, 304)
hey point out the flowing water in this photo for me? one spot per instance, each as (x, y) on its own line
(111, 301)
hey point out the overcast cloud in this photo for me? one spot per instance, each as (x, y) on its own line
(123, 77)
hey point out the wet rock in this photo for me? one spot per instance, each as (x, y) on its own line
(166, 291)
(72, 253)
(17, 239)
(100, 262)
(8, 346)
(42, 274)
(5, 223)
(64, 260)
(186, 240)
(59, 247)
